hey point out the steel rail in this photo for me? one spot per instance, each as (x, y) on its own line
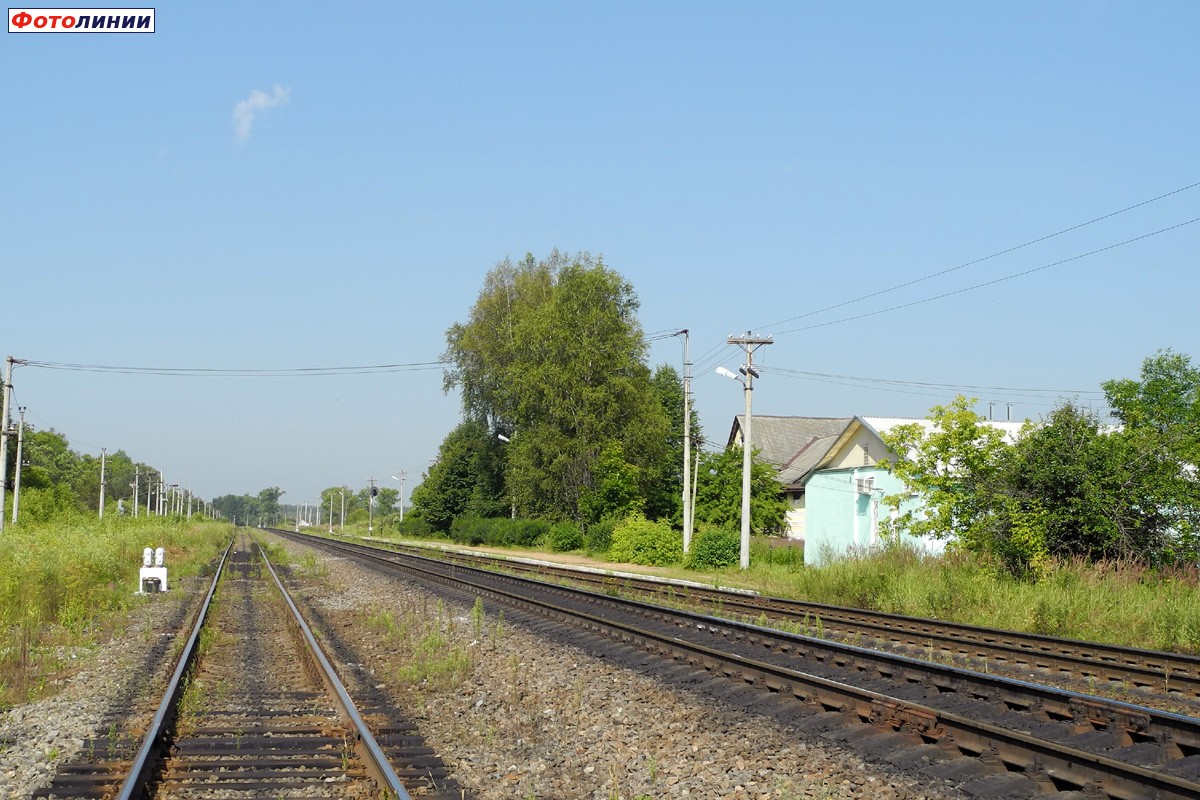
(1174, 673)
(1052, 764)
(139, 772)
(375, 760)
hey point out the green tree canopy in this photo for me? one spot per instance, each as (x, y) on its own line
(719, 492)
(553, 357)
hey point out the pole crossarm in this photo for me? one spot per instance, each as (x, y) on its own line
(749, 344)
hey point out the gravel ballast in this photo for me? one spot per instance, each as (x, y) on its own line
(513, 714)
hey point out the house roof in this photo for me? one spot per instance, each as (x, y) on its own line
(799, 446)
(795, 445)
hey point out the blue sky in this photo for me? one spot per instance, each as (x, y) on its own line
(742, 164)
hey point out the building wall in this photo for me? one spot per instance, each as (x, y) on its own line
(864, 449)
(839, 518)
(795, 520)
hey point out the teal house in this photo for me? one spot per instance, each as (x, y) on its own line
(834, 485)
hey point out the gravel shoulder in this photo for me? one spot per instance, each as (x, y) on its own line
(532, 718)
(513, 714)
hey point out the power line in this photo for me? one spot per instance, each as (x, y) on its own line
(1006, 251)
(991, 282)
(205, 372)
(924, 384)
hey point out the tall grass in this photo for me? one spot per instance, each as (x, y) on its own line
(1122, 603)
(64, 584)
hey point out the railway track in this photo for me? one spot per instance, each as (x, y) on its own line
(255, 709)
(1105, 668)
(1017, 738)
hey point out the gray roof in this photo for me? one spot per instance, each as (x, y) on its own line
(795, 445)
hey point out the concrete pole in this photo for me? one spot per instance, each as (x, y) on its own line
(342, 521)
(136, 474)
(749, 344)
(748, 391)
(17, 476)
(103, 451)
(8, 368)
(687, 442)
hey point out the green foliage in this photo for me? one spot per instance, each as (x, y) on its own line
(498, 531)
(953, 466)
(714, 547)
(464, 479)
(597, 536)
(553, 355)
(60, 580)
(564, 537)
(616, 492)
(719, 492)
(1069, 487)
(636, 540)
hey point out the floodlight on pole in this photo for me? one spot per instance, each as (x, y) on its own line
(749, 344)
(400, 476)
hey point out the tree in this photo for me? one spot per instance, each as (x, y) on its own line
(553, 357)
(465, 478)
(1160, 434)
(719, 492)
(663, 480)
(268, 501)
(953, 464)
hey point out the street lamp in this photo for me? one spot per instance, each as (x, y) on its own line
(342, 522)
(506, 440)
(749, 344)
(400, 477)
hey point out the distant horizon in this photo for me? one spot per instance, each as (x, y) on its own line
(912, 199)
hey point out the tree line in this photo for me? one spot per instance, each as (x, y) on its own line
(56, 480)
(1069, 486)
(563, 418)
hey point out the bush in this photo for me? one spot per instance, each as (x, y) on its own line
(497, 531)
(636, 540)
(714, 547)
(415, 527)
(564, 536)
(598, 536)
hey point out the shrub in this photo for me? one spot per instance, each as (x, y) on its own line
(564, 536)
(714, 547)
(497, 531)
(598, 536)
(636, 540)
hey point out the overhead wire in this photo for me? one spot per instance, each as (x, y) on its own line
(992, 282)
(206, 372)
(973, 262)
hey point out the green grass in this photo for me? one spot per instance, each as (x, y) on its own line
(1121, 603)
(67, 585)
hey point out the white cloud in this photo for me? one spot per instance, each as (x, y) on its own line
(245, 111)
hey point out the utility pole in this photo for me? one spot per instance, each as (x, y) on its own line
(103, 451)
(137, 469)
(8, 368)
(400, 476)
(687, 440)
(749, 344)
(342, 520)
(17, 476)
(371, 507)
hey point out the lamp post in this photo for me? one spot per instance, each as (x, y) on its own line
(512, 495)
(331, 512)
(400, 476)
(17, 476)
(749, 344)
(342, 521)
(102, 454)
